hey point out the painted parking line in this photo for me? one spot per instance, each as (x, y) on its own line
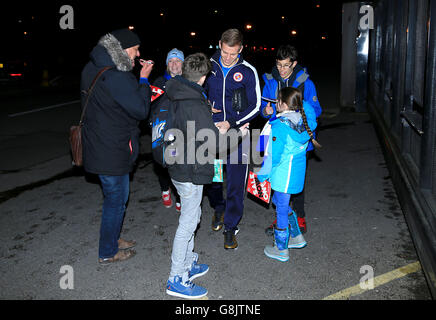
(43, 108)
(378, 281)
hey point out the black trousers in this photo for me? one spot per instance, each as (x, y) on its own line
(165, 180)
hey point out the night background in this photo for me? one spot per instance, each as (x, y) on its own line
(33, 40)
(50, 210)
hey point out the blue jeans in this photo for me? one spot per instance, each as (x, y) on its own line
(281, 200)
(183, 254)
(116, 194)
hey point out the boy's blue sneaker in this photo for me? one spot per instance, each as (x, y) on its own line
(186, 290)
(197, 270)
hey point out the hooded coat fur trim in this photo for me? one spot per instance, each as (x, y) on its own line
(118, 55)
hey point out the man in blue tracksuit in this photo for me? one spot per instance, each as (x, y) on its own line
(234, 94)
(288, 73)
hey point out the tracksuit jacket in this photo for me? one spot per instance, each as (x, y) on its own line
(220, 91)
(220, 88)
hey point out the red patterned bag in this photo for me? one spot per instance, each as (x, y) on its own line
(261, 190)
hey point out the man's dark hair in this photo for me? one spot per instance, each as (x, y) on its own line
(287, 51)
(195, 66)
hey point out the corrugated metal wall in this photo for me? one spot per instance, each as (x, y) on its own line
(402, 102)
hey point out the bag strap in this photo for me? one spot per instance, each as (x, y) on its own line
(89, 91)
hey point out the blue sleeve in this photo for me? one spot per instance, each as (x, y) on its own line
(310, 115)
(144, 81)
(206, 86)
(311, 97)
(268, 92)
(252, 88)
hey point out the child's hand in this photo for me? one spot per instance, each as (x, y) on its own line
(223, 126)
(222, 131)
(268, 109)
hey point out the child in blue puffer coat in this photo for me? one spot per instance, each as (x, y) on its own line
(284, 166)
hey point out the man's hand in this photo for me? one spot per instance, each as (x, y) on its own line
(268, 109)
(223, 126)
(147, 66)
(213, 109)
(216, 110)
(244, 129)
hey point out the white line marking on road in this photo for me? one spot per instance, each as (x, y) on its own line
(42, 109)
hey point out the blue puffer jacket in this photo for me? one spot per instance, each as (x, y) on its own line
(285, 160)
(220, 90)
(274, 82)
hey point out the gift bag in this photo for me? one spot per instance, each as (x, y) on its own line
(155, 92)
(261, 190)
(218, 169)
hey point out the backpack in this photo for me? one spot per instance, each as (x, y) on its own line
(162, 118)
(301, 88)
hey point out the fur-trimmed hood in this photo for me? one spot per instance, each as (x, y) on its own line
(109, 52)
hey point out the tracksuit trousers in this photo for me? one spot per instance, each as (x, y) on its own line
(236, 177)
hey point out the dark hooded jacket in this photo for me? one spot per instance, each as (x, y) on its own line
(110, 133)
(192, 105)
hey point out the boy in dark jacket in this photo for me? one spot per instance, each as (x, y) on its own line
(110, 131)
(190, 173)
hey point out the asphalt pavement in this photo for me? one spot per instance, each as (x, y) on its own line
(49, 227)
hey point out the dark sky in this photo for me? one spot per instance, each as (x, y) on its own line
(46, 43)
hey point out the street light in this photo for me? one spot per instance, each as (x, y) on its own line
(248, 26)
